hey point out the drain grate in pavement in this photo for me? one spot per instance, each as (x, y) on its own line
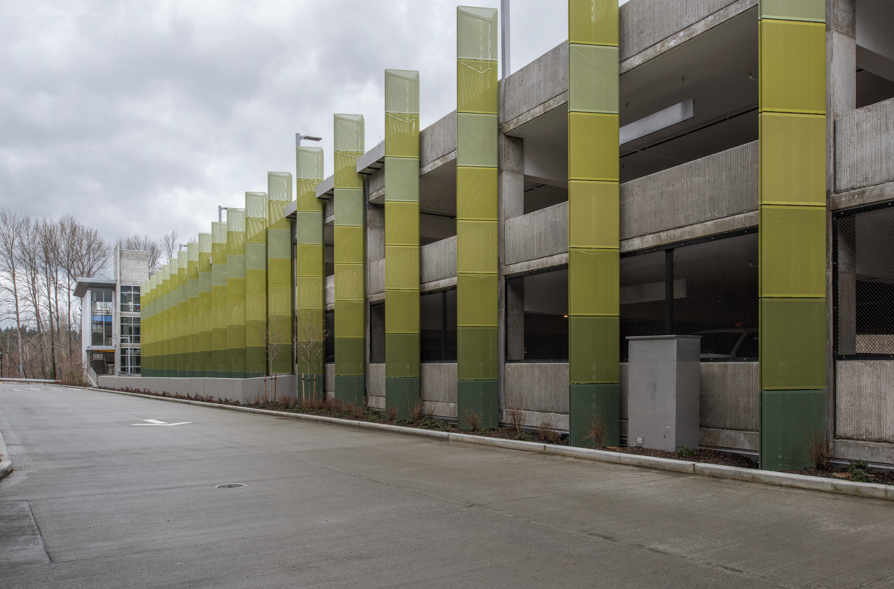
(230, 486)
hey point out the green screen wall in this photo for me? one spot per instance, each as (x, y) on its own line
(192, 309)
(204, 346)
(402, 241)
(255, 284)
(279, 271)
(792, 229)
(236, 293)
(219, 299)
(476, 225)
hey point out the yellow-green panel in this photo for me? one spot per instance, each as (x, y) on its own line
(477, 353)
(793, 66)
(349, 133)
(279, 244)
(279, 272)
(349, 282)
(402, 135)
(476, 247)
(401, 223)
(477, 193)
(593, 78)
(401, 179)
(235, 290)
(792, 251)
(279, 300)
(346, 175)
(405, 318)
(594, 348)
(476, 33)
(308, 166)
(593, 214)
(348, 245)
(793, 344)
(476, 137)
(402, 91)
(309, 260)
(803, 10)
(348, 207)
(350, 319)
(477, 296)
(350, 354)
(401, 268)
(311, 292)
(593, 22)
(793, 159)
(593, 147)
(476, 86)
(401, 355)
(593, 282)
(309, 227)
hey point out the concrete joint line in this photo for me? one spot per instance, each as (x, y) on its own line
(779, 479)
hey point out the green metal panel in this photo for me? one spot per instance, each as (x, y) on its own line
(476, 298)
(205, 286)
(476, 33)
(593, 78)
(793, 343)
(801, 10)
(476, 140)
(476, 248)
(476, 353)
(592, 155)
(401, 135)
(479, 185)
(595, 409)
(479, 398)
(793, 171)
(593, 22)
(594, 350)
(593, 285)
(401, 180)
(477, 86)
(593, 215)
(793, 251)
(279, 263)
(403, 394)
(789, 419)
(793, 67)
(405, 319)
(403, 354)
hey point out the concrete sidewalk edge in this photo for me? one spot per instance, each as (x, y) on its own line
(779, 479)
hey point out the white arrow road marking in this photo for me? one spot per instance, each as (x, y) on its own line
(158, 423)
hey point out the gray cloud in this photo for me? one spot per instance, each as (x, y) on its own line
(144, 115)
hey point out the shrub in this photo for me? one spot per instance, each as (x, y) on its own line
(857, 470)
(596, 429)
(684, 452)
(817, 449)
(516, 418)
(472, 419)
(547, 433)
(391, 413)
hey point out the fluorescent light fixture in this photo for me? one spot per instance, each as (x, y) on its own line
(658, 121)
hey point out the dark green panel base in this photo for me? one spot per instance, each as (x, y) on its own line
(313, 387)
(588, 405)
(403, 394)
(789, 419)
(350, 389)
(481, 398)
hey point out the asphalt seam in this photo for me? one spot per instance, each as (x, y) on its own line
(778, 479)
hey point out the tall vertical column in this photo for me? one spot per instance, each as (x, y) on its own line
(153, 322)
(164, 332)
(205, 366)
(279, 268)
(182, 313)
(476, 217)
(192, 306)
(792, 229)
(219, 299)
(401, 241)
(144, 320)
(256, 331)
(310, 269)
(236, 293)
(593, 222)
(350, 262)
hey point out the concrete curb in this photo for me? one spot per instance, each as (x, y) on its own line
(5, 460)
(779, 479)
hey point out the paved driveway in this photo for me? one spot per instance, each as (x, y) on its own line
(96, 501)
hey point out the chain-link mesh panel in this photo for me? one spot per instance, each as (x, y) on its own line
(864, 283)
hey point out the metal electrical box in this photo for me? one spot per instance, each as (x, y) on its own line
(663, 391)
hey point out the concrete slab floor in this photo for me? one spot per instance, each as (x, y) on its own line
(118, 506)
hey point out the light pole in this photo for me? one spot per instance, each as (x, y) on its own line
(299, 137)
(504, 26)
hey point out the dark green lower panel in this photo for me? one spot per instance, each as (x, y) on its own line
(592, 406)
(350, 389)
(789, 419)
(310, 386)
(403, 394)
(480, 398)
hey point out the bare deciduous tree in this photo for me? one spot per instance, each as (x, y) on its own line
(169, 244)
(310, 346)
(11, 227)
(144, 243)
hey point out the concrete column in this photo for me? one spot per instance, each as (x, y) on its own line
(841, 73)
(515, 319)
(512, 178)
(375, 236)
(847, 287)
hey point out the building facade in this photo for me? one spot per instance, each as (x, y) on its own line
(721, 168)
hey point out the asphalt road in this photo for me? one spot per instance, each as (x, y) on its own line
(96, 501)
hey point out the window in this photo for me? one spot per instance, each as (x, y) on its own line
(130, 361)
(130, 299)
(101, 317)
(130, 330)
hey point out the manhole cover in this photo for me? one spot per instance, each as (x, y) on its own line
(230, 486)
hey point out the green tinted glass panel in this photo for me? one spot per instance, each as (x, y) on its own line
(477, 298)
(793, 159)
(593, 214)
(594, 349)
(476, 140)
(593, 282)
(476, 86)
(477, 352)
(402, 223)
(401, 135)
(593, 22)
(793, 251)
(793, 66)
(401, 355)
(593, 147)
(793, 344)
(403, 316)
(477, 193)
(593, 78)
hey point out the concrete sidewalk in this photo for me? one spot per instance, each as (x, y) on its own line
(121, 505)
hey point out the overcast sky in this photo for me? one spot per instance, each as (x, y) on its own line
(142, 116)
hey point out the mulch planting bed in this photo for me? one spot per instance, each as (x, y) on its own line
(880, 477)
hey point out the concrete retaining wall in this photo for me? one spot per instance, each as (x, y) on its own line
(865, 400)
(437, 261)
(243, 390)
(438, 383)
(375, 386)
(864, 147)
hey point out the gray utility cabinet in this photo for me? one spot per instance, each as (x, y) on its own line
(663, 391)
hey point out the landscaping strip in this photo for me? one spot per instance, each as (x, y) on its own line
(779, 479)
